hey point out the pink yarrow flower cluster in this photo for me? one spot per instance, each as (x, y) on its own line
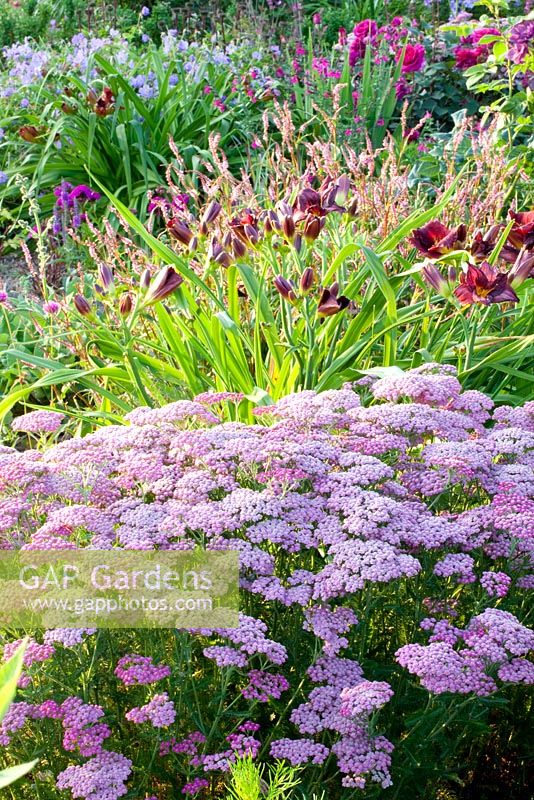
(329, 498)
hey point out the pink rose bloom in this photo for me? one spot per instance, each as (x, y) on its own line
(476, 36)
(467, 56)
(363, 33)
(414, 58)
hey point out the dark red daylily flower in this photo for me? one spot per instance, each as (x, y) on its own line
(331, 302)
(30, 133)
(434, 239)
(310, 203)
(246, 226)
(104, 104)
(484, 285)
(522, 233)
(483, 244)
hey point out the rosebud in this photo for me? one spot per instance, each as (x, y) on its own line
(285, 288)
(81, 304)
(106, 275)
(125, 304)
(180, 230)
(307, 279)
(165, 283)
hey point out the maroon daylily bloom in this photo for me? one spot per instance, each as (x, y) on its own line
(30, 133)
(484, 285)
(483, 244)
(310, 203)
(103, 105)
(331, 302)
(522, 233)
(434, 239)
(246, 226)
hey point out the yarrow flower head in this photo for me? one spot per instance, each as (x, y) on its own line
(38, 422)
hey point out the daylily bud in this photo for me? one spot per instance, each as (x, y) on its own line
(297, 242)
(433, 277)
(312, 228)
(452, 274)
(106, 275)
(342, 190)
(125, 304)
(251, 234)
(193, 244)
(165, 283)
(522, 269)
(238, 247)
(352, 207)
(219, 255)
(100, 290)
(81, 304)
(272, 222)
(307, 279)
(144, 281)
(211, 213)
(285, 288)
(227, 239)
(180, 230)
(288, 227)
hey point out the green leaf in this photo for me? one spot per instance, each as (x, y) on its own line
(11, 774)
(9, 676)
